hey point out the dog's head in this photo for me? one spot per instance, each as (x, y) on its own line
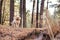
(18, 18)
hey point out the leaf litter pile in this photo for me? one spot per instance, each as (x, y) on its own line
(10, 33)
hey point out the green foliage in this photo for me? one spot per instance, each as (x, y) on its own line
(28, 19)
(57, 12)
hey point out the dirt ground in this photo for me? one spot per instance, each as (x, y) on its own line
(10, 33)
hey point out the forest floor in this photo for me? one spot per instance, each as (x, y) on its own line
(10, 33)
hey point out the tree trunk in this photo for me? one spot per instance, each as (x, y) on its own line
(37, 13)
(3, 13)
(11, 10)
(32, 12)
(21, 12)
(1, 2)
(24, 13)
(41, 12)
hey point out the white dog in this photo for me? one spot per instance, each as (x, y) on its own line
(16, 21)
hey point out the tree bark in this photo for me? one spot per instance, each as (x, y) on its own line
(32, 12)
(24, 13)
(41, 12)
(37, 13)
(11, 10)
(21, 12)
(1, 2)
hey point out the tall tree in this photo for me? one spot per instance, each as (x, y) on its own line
(21, 11)
(11, 10)
(24, 13)
(3, 12)
(1, 2)
(33, 12)
(37, 13)
(41, 12)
